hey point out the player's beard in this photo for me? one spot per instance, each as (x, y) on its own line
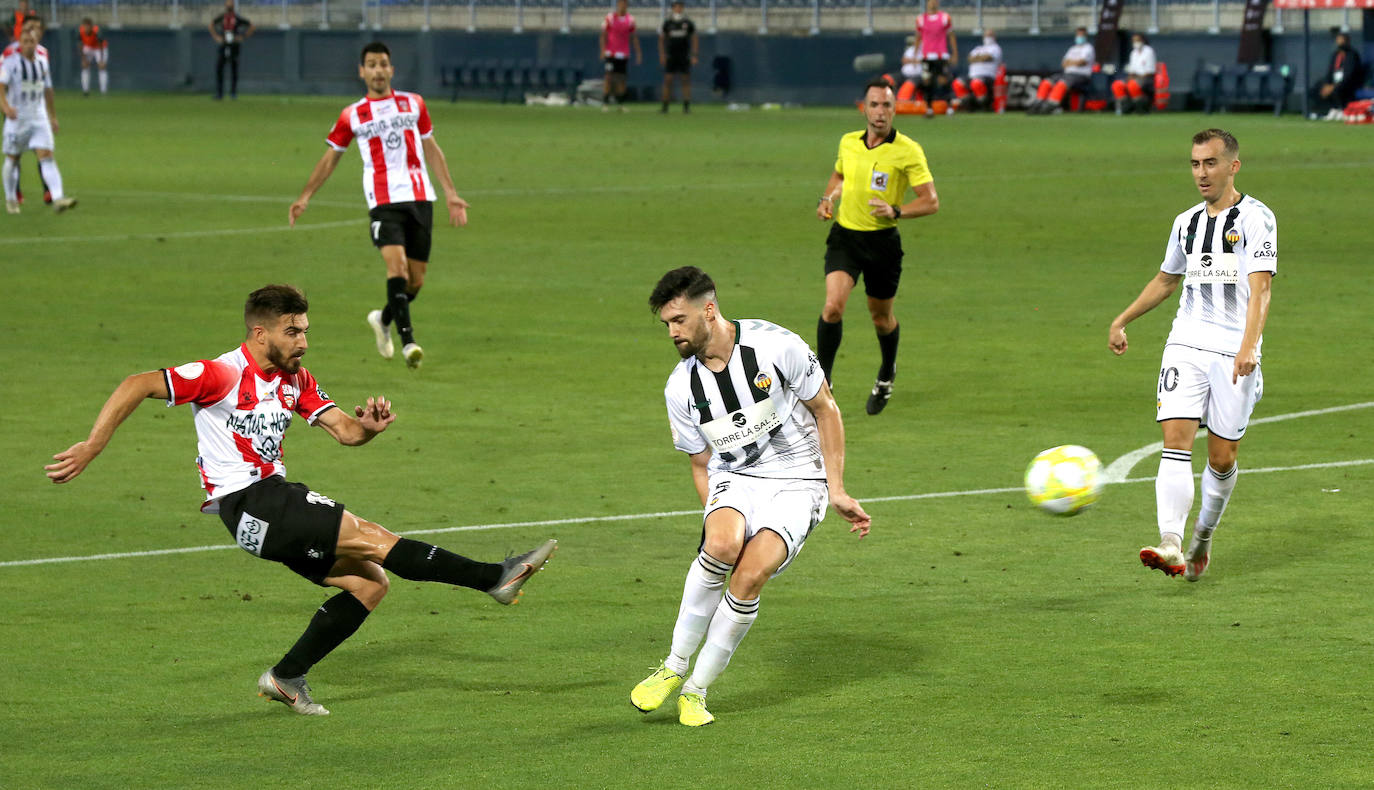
(692, 346)
(283, 360)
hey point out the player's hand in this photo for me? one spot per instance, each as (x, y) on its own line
(52, 121)
(1246, 362)
(70, 462)
(825, 210)
(1116, 339)
(694, 60)
(376, 415)
(11, 113)
(296, 210)
(663, 61)
(639, 58)
(881, 208)
(850, 510)
(457, 212)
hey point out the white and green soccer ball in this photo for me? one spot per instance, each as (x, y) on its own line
(1064, 480)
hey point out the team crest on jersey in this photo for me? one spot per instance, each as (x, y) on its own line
(288, 397)
(1233, 236)
(402, 104)
(763, 381)
(393, 140)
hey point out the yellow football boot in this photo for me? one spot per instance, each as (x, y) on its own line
(654, 690)
(691, 710)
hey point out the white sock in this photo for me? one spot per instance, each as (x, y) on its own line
(728, 627)
(1216, 492)
(86, 80)
(700, 597)
(104, 80)
(1174, 493)
(11, 177)
(52, 177)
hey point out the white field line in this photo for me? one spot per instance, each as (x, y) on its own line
(181, 234)
(1116, 472)
(637, 516)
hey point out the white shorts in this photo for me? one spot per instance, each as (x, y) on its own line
(27, 135)
(791, 508)
(1196, 385)
(97, 55)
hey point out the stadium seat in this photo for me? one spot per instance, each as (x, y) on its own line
(1207, 84)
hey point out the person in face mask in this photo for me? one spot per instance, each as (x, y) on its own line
(983, 62)
(1077, 72)
(678, 48)
(1136, 92)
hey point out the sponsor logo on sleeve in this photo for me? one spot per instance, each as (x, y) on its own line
(191, 370)
(1266, 251)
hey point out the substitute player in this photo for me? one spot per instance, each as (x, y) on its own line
(392, 129)
(94, 49)
(873, 170)
(749, 405)
(242, 403)
(678, 48)
(939, 51)
(26, 99)
(1224, 251)
(31, 21)
(617, 38)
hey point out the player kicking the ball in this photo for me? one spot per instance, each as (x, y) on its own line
(750, 405)
(392, 128)
(242, 403)
(1225, 253)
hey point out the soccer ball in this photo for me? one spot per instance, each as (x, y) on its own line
(1064, 480)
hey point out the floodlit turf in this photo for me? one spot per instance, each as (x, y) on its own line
(968, 642)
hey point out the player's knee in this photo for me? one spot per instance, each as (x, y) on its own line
(723, 547)
(1222, 460)
(833, 311)
(371, 591)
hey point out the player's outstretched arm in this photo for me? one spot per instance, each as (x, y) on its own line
(1247, 359)
(366, 422)
(825, 209)
(132, 391)
(831, 429)
(323, 169)
(1156, 290)
(438, 163)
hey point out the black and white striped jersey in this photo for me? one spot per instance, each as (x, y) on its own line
(1216, 256)
(751, 415)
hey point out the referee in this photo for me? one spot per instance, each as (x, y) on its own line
(873, 170)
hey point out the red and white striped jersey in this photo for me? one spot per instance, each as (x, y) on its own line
(241, 416)
(13, 48)
(389, 131)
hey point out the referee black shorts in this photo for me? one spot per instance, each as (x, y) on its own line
(875, 255)
(287, 523)
(410, 225)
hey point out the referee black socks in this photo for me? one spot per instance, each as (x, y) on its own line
(887, 344)
(399, 305)
(827, 343)
(335, 621)
(421, 562)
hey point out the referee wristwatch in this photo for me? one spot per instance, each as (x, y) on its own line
(896, 211)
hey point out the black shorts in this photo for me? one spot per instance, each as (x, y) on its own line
(874, 254)
(408, 224)
(931, 69)
(285, 522)
(678, 64)
(617, 65)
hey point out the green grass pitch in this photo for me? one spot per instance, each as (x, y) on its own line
(968, 642)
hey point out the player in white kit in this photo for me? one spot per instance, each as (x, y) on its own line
(26, 99)
(1224, 251)
(242, 403)
(396, 140)
(750, 406)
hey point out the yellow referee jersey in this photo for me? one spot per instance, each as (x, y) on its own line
(885, 171)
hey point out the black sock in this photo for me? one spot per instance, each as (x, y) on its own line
(827, 343)
(399, 305)
(665, 105)
(888, 345)
(386, 311)
(335, 621)
(686, 106)
(421, 562)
